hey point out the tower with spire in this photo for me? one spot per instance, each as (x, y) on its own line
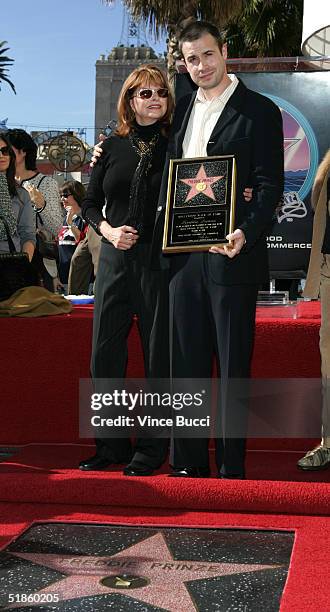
(132, 50)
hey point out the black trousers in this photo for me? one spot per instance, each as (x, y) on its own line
(125, 286)
(209, 318)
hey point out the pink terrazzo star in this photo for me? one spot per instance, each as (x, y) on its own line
(201, 183)
(149, 562)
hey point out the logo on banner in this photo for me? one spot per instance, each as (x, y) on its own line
(300, 161)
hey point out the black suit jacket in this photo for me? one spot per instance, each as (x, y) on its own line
(250, 127)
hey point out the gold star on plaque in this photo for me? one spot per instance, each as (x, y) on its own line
(201, 183)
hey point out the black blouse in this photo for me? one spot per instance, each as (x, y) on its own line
(111, 178)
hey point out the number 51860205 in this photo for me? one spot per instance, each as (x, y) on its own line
(33, 598)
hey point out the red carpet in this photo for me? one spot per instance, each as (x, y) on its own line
(43, 407)
(307, 584)
(42, 483)
(48, 474)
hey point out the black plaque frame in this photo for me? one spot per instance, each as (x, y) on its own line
(200, 207)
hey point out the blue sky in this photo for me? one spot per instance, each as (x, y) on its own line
(55, 44)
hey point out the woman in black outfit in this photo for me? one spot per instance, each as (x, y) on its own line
(127, 181)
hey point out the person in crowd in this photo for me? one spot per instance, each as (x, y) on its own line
(126, 181)
(74, 227)
(213, 295)
(15, 205)
(44, 193)
(84, 263)
(318, 284)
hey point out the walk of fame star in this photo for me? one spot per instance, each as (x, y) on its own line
(201, 183)
(146, 572)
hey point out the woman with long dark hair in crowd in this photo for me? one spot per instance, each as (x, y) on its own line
(44, 194)
(15, 205)
(126, 181)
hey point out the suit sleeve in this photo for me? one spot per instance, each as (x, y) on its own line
(267, 172)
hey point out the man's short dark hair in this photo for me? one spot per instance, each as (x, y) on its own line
(195, 29)
(22, 141)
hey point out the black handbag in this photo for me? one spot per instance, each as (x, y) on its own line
(46, 244)
(16, 271)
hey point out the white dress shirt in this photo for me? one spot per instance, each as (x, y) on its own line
(203, 117)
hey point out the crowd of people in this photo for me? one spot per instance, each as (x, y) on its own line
(42, 209)
(190, 306)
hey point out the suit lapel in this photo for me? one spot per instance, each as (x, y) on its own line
(232, 108)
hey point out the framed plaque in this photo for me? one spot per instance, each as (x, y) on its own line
(200, 206)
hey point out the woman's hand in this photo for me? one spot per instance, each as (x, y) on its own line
(36, 196)
(28, 248)
(69, 214)
(123, 237)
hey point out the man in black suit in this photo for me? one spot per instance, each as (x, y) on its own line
(213, 295)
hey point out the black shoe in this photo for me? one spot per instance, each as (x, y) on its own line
(232, 476)
(98, 463)
(191, 472)
(135, 468)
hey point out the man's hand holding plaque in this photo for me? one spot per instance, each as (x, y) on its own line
(236, 241)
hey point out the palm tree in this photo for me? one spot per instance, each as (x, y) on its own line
(266, 29)
(171, 13)
(254, 28)
(4, 62)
